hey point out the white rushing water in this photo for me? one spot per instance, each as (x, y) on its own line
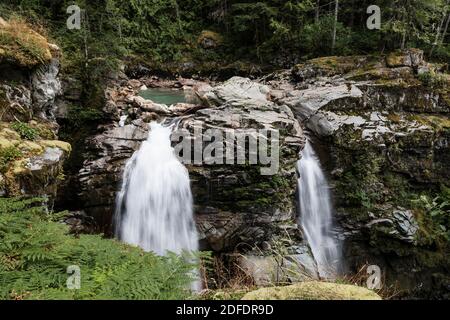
(316, 212)
(154, 207)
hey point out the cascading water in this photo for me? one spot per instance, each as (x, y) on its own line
(316, 214)
(154, 207)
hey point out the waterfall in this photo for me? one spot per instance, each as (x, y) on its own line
(154, 208)
(316, 213)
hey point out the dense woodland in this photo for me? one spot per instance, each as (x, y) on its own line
(252, 34)
(274, 32)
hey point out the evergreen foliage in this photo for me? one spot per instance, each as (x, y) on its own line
(165, 31)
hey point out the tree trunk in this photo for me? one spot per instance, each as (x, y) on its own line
(438, 32)
(444, 33)
(336, 10)
(402, 46)
(85, 39)
(177, 13)
(317, 11)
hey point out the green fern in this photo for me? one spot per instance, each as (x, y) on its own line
(35, 252)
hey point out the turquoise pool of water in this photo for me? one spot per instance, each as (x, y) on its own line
(164, 96)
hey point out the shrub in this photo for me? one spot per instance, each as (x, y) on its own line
(36, 250)
(433, 80)
(79, 116)
(438, 208)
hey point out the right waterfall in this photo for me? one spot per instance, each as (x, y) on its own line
(316, 214)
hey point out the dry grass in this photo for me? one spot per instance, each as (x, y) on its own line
(225, 274)
(360, 279)
(224, 279)
(21, 45)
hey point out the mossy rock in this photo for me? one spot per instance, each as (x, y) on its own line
(313, 290)
(64, 146)
(6, 143)
(437, 122)
(9, 134)
(410, 57)
(384, 74)
(31, 147)
(209, 39)
(340, 65)
(223, 294)
(395, 59)
(23, 46)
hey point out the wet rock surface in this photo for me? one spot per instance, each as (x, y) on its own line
(227, 211)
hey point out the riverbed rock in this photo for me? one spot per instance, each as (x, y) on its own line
(148, 105)
(296, 264)
(241, 92)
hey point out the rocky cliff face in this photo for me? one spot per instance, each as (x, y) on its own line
(237, 208)
(383, 125)
(385, 128)
(31, 157)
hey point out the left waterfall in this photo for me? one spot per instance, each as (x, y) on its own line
(154, 206)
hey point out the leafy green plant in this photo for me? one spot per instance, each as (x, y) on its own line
(7, 155)
(25, 131)
(432, 79)
(36, 250)
(80, 116)
(438, 209)
(364, 199)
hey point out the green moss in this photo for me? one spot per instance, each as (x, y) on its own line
(64, 146)
(395, 59)
(4, 103)
(7, 156)
(22, 45)
(432, 259)
(399, 83)
(313, 290)
(207, 34)
(437, 122)
(223, 294)
(341, 64)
